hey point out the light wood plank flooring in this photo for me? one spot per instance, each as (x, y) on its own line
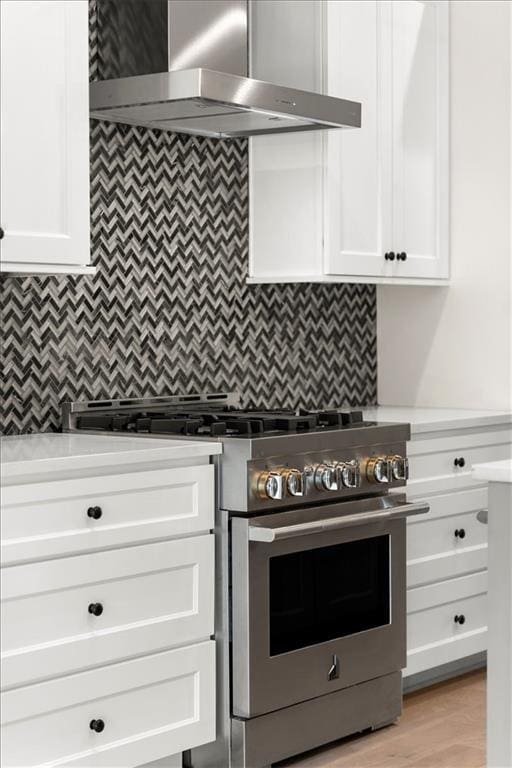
(441, 727)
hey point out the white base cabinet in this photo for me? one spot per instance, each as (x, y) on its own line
(447, 549)
(50, 519)
(107, 597)
(446, 621)
(360, 205)
(142, 709)
(44, 163)
(151, 597)
(447, 555)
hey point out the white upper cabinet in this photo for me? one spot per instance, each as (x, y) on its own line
(358, 163)
(44, 136)
(330, 206)
(420, 137)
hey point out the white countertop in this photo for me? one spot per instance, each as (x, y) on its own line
(494, 471)
(49, 453)
(433, 419)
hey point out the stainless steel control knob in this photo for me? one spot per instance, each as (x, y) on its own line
(272, 485)
(349, 474)
(399, 467)
(326, 477)
(378, 470)
(295, 482)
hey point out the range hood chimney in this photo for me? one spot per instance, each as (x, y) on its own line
(182, 65)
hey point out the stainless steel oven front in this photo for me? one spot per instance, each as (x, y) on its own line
(318, 600)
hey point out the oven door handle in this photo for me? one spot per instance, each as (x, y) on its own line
(268, 535)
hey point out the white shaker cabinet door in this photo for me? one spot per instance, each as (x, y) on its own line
(387, 183)
(358, 162)
(367, 204)
(44, 136)
(419, 93)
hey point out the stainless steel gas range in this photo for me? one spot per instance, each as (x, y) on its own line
(310, 592)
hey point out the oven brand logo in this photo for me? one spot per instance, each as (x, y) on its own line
(334, 669)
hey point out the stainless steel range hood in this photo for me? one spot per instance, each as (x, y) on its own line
(182, 65)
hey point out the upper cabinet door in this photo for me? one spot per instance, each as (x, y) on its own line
(44, 136)
(368, 204)
(358, 169)
(420, 117)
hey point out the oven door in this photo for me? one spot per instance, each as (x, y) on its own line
(318, 600)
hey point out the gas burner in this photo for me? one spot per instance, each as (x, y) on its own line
(156, 422)
(232, 422)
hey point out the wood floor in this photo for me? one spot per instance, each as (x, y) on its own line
(441, 727)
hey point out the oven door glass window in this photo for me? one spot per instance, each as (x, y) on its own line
(321, 594)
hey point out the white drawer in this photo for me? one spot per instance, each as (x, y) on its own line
(432, 595)
(151, 707)
(460, 440)
(433, 624)
(446, 565)
(431, 610)
(444, 535)
(152, 597)
(434, 553)
(446, 651)
(441, 464)
(453, 503)
(43, 520)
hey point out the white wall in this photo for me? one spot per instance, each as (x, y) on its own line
(453, 346)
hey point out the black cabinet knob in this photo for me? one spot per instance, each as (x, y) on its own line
(94, 512)
(459, 462)
(459, 619)
(389, 256)
(402, 256)
(460, 533)
(97, 725)
(2, 233)
(95, 608)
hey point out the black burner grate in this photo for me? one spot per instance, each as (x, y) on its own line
(213, 423)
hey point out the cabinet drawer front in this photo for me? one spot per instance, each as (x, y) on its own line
(441, 465)
(51, 519)
(446, 534)
(150, 707)
(448, 650)
(460, 440)
(453, 503)
(448, 591)
(446, 565)
(151, 597)
(436, 624)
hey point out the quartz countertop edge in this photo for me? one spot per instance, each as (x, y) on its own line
(49, 453)
(437, 419)
(494, 471)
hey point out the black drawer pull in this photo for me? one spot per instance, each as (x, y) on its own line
(97, 725)
(389, 256)
(95, 608)
(460, 533)
(460, 619)
(460, 462)
(94, 512)
(402, 256)
(2, 233)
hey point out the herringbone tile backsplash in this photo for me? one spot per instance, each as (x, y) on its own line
(169, 309)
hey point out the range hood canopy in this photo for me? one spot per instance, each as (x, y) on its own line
(181, 65)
